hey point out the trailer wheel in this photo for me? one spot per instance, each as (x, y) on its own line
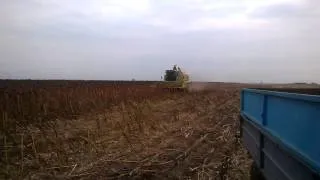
(255, 173)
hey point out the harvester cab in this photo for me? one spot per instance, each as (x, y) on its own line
(172, 75)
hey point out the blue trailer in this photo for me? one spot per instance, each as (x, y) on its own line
(280, 128)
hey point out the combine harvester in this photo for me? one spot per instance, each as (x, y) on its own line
(175, 80)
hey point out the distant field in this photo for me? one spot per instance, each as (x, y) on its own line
(58, 83)
(61, 83)
(120, 130)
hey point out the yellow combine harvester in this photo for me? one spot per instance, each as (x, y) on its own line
(175, 80)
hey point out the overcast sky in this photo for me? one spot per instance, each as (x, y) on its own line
(212, 40)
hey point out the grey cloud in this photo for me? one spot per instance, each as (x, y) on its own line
(74, 45)
(284, 10)
(298, 11)
(177, 12)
